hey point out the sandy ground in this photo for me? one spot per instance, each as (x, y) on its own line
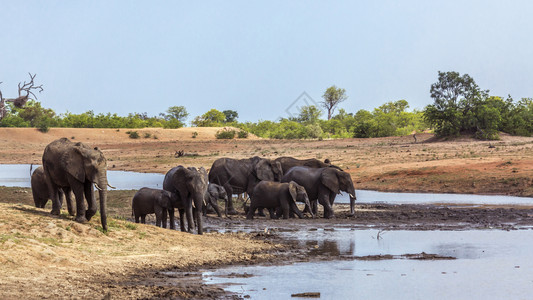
(42, 256)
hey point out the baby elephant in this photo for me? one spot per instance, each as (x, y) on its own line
(213, 193)
(41, 194)
(271, 195)
(149, 201)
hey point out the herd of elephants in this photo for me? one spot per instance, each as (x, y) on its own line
(273, 184)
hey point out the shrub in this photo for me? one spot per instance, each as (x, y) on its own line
(194, 134)
(147, 135)
(226, 134)
(133, 134)
(242, 134)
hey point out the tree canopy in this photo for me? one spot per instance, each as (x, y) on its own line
(332, 97)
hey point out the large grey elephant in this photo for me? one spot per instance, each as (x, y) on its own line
(150, 201)
(213, 193)
(78, 167)
(323, 185)
(41, 194)
(288, 162)
(188, 187)
(241, 175)
(271, 195)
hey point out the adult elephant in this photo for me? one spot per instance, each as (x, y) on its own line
(78, 167)
(41, 194)
(322, 185)
(241, 175)
(288, 162)
(188, 187)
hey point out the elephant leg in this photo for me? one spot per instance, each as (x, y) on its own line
(78, 190)
(172, 221)
(324, 201)
(182, 219)
(137, 218)
(56, 204)
(164, 213)
(143, 219)
(332, 196)
(261, 212)
(295, 210)
(272, 213)
(91, 200)
(70, 203)
(159, 216)
(204, 210)
(285, 207)
(251, 212)
(214, 204)
(314, 207)
(229, 205)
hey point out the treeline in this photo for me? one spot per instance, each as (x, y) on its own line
(387, 120)
(390, 119)
(459, 107)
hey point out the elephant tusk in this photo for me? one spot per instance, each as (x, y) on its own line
(111, 186)
(97, 187)
(352, 196)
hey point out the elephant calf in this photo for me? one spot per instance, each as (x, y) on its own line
(213, 193)
(271, 195)
(149, 201)
(41, 193)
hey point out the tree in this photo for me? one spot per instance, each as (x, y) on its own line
(309, 114)
(231, 116)
(176, 112)
(21, 100)
(455, 100)
(332, 97)
(213, 117)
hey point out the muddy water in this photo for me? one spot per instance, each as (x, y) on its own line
(489, 264)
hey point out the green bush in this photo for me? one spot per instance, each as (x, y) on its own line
(133, 134)
(242, 134)
(225, 134)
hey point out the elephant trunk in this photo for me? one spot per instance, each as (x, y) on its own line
(103, 201)
(198, 201)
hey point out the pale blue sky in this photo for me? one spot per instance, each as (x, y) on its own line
(258, 57)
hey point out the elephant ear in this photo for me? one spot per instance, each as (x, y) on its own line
(203, 172)
(330, 180)
(293, 190)
(74, 163)
(263, 170)
(277, 166)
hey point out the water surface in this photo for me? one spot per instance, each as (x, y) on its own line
(490, 264)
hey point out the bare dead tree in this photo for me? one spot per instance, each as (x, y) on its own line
(20, 101)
